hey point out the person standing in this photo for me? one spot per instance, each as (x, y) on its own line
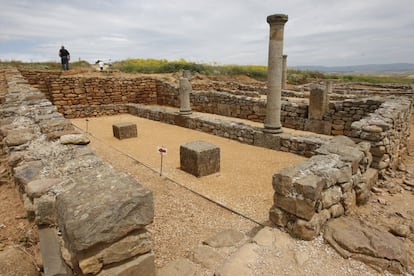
(64, 57)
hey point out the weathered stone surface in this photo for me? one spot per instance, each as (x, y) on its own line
(45, 210)
(240, 262)
(370, 177)
(58, 124)
(318, 126)
(179, 267)
(27, 172)
(53, 263)
(310, 186)
(266, 237)
(37, 188)
(400, 230)
(283, 180)
(102, 207)
(278, 216)
(57, 134)
(301, 207)
(356, 239)
(124, 130)
(143, 265)
(19, 137)
(132, 245)
(226, 238)
(346, 153)
(13, 261)
(331, 196)
(29, 206)
(349, 201)
(75, 139)
(317, 102)
(308, 230)
(207, 257)
(267, 140)
(200, 158)
(336, 210)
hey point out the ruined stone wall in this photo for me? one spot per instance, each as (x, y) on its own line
(69, 93)
(86, 97)
(328, 185)
(100, 212)
(388, 131)
(342, 114)
(298, 144)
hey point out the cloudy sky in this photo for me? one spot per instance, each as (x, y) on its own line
(319, 32)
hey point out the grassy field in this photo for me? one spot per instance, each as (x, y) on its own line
(44, 65)
(258, 72)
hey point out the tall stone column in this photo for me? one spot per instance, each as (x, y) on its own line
(185, 90)
(274, 73)
(284, 72)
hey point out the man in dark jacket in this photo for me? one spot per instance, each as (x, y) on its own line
(64, 57)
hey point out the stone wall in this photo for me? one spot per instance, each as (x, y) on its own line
(100, 212)
(89, 97)
(69, 93)
(305, 145)
(325, 186)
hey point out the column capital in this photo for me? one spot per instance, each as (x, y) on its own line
(277, 19)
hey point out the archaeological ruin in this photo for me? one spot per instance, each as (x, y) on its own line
(362, 133)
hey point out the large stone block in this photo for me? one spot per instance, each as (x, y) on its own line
(101, 207)
(143, 265)
(200, 158)
(301, 207)
(310, 186)
(53, 262)
(132, 245)
(124, 130)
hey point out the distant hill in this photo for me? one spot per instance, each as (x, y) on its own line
(397, 68)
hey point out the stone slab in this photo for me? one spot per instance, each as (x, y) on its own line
(368, 243)
(101, 207)
(124, 130)
(53, 263)
(143, 265)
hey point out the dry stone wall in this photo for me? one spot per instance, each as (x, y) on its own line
(101, 212)
(88, 97)
(328, 185)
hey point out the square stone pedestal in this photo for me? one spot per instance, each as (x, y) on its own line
(124, 130)
(200, 158)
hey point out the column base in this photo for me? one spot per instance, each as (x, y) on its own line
(185, 112)
(272, 130)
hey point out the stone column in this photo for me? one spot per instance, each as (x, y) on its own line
(284, 72)
(274, 73)
(185, 90)
(329, 86)
(317, 102)
(327, 93)
(187, 74)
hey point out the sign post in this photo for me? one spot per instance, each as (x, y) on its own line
(87, 125)
(162, 151)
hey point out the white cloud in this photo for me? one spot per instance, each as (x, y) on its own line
(225, 31)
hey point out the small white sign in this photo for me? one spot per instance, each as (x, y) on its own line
(162, 150)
